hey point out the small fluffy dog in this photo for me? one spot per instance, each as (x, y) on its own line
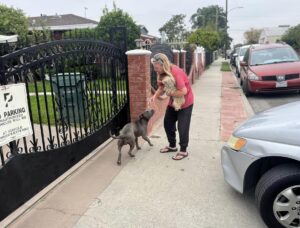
(130, 132)
(170, 87)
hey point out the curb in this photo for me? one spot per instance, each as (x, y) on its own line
(246, 103)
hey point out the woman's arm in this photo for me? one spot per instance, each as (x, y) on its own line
(158, 93)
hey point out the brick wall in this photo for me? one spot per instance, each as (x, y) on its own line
(183, 60)
(139, 81)
(176, 57)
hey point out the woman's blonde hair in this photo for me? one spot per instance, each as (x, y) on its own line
(163, 60)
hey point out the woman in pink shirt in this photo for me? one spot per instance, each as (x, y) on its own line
(163, 67)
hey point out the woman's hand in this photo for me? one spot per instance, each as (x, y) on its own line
(152, 99)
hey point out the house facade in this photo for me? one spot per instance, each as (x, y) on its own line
(272, 34)
(147, 39)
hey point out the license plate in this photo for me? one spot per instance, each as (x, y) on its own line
(281, 84)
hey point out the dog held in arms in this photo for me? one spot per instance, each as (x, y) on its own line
(170, 87)
(130, 132)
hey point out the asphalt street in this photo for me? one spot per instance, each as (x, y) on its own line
(262, 102)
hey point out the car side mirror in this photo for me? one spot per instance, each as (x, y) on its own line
(243, 63)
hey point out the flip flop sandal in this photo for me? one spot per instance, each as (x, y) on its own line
(181, 156)
(168, 150)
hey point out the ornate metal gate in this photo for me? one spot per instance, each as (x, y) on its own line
(77, 90)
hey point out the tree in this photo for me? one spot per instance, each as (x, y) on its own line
(252, 36)
(213, 16)
(116, 18)
(292, 37)
(175, 28)
(225, 39)
(13, 22)
(209, 39)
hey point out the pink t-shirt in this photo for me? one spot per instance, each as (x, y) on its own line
(181, 81)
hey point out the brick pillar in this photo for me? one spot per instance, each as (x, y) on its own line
(139, 81)
(183, 60)
(176, 56)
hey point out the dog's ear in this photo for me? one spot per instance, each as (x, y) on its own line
(141, 116)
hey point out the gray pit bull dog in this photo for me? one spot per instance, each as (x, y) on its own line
(130, 132)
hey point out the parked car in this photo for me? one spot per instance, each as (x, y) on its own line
(270, 68)
(264, 153)
(228, 52)
(240, 56)
(232, 57)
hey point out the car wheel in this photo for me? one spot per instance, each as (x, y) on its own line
(277, 196)
(246, 88)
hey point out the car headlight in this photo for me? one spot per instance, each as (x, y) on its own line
(236, 143)
(253, 77)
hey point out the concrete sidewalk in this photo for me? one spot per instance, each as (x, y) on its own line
(152, 190)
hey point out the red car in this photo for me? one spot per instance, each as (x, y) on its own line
(270, 68)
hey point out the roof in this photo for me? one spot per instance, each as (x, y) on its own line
(144, 30)
(148, 36)
(60, 22)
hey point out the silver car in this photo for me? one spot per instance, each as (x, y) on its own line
(264, 153)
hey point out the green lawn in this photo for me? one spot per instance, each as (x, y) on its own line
(98, 84)
(39, 84)
(225, 66)
(101, 102)
(43, 110)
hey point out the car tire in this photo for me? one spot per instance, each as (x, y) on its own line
(269, 189)
(246, 88)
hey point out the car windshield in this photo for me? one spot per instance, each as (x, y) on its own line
(273, 55)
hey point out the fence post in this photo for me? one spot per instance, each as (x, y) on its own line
(139, 81)
(176, 57)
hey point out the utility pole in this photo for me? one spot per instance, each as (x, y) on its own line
(85, 8)
(226, 28)
(217, 18)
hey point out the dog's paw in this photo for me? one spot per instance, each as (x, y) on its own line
(119, 162)
(151, 144)
(132, 155)
(138, 148)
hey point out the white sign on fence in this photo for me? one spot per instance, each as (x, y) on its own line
(14, 113)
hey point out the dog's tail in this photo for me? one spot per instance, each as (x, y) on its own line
(115, 137)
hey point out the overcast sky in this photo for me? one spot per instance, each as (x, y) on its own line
(153, 14)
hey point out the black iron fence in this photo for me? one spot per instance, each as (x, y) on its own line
(210, 56)
(77, 90)
(189, 58)
(74, 87)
